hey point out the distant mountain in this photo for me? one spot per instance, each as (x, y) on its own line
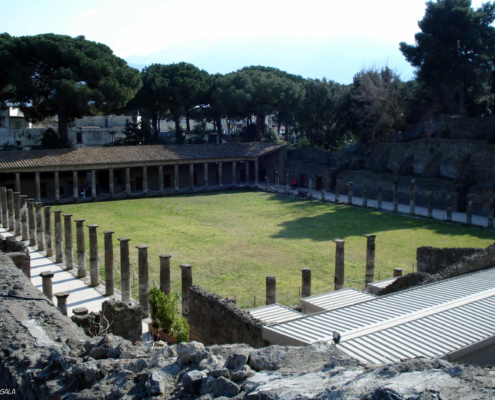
(337, 58)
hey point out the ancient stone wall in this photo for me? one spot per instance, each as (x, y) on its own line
(214, 320)
(433, 259)
(297, 168)
(18, 252)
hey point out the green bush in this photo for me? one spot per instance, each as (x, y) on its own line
(165, 314)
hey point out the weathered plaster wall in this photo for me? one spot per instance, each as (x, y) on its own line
(433, 259)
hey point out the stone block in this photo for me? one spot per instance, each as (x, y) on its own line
(124, 319)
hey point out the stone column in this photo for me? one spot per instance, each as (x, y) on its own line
(5, 208)
(310, 186)
(17, 182)
(350, 195)
(48, 231)
(143, 279)
(412, 205)
(128, 181)
(271, 289)
(430, 204)
(109, 281)
(10, 201)
(491, 208)
(75, 186)
(339, 264)
(94, 271)
(37, 184)
(287, 183)
(256, 172)
(396, 196)
(449, 207)
(365, 195)
(176, 178)
(337, 194)
(370, 259)
(220, 177)
(24, 220)
(111, 182)
(125, 270)
(69, 254)
(31, 222)
(186, 284)
(267, 182)
(145, 181)
(165, 273)
(81, 248)
(59, 253)
(93, 185)
(234, 174)
(206, 175)
(277, 182)
(57, 187)
(306, 283)
(62, 302)
(469, 213)
(39, 226)
(160, 179)
(191, 176)
(397, 272)
(323, 194)
(247, 173)
(379, 197)
(46, 282)
(17, 214)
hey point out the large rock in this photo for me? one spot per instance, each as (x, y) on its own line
(224, 387)
(187, 352)
(242, 373)
(155, 384)
(208, 385)
(267, 358)
(192, 380)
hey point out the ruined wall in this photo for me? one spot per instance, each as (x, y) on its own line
(17, 252)
(433, 259)
(214, 320)
(297, 168)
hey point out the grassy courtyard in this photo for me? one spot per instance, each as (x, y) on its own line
(235, 239)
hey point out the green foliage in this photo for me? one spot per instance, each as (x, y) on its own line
(49, 74)
(165, 313)
(453, 56)
(270, 136)
(51, 140)
(136, 133)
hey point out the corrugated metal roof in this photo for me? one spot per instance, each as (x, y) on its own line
(375, 287)
(275, 313)
(431, 336)
(131, 154)
(320, 326)
(337, 299)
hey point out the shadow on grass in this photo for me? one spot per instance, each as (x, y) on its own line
(341, 222)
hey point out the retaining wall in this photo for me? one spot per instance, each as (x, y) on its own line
(433, 259)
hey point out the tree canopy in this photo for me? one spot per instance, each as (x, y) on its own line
(49, 74)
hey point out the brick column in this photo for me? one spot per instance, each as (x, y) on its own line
(143, 279)
(186, 284)
(339, 264)
(48, 231)
(81, 248)
(31, 222)
(94, 271)
(10, 204)
(75, 186)
(234, 174)
(17, 182)
(46, 282)
(271, 290)
(176, 178)
(165, 273)
(379, 197)
(39, 227)
(24, 220)
(220, 177)
(145, 181)
(111, 183)
(160, 179)
(412, 205)
(128, 181)
(17, 214)
(69, 254)
(365, 195)
(191, 176)
(62, 302)
(5, 208)
(59, 253)
(256, 172)
(57, 187)
(370, 259)
(109, 279)
(396, 196)
(37, 184)
(491, 208)
(430, 204)
(350, 195)
(206, 175)
(93, 185)
(306, 283)
(125, 270)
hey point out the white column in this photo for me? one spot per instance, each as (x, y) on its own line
(111, 184)
(57, 187)
(93, 184)
(75, 186)
(145, 181)
(18, 182)
(38, 189)
(128, 181)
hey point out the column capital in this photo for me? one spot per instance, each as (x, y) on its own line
(61, 295)
(79, 220)
(66, 215)
(92, 226)
(370, 236)
(108, 232)
(186, 266)
(47, 274)
(124, 239)
(141, 247)
(339, 241)
(56, 211)
(165, 256)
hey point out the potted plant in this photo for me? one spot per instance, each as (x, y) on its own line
(166, 322)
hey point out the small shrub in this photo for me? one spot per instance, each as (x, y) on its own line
(180, 330)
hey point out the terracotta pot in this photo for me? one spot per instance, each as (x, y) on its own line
(158, 334)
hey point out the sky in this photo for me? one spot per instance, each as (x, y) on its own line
(143, 27)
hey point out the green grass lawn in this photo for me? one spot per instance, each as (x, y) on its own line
(235, 239)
